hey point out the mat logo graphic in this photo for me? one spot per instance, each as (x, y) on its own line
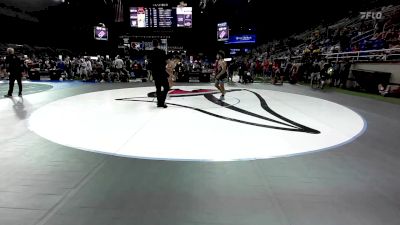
(274, 121)
(372, 15)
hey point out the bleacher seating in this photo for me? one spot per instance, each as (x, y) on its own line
(348, 34)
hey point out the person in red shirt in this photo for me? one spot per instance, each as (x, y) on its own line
(265, 67)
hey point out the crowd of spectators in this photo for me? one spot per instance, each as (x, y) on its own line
(79, 68)
(100, 68)
(296, 58)
(300, 57)
(279, 70)
(347, 35)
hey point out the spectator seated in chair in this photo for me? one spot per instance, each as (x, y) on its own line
(389, 90)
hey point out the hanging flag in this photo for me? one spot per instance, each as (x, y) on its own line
(119, 11)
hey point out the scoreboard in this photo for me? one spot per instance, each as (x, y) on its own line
(101, 33)
(141, 17)
(184, 17)
(160, 17)
(223, 31)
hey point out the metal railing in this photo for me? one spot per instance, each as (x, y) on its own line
(380, 55)
(363, 36)
(392, 54)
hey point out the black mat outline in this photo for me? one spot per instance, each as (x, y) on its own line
(295, 127)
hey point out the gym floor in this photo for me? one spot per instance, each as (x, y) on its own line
(349, 177)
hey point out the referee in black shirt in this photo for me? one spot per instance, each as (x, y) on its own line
(158, 62)
(14, 67)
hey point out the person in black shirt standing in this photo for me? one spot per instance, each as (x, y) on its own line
(14, 67)
(158, 60)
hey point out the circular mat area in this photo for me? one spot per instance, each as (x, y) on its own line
(248, 124)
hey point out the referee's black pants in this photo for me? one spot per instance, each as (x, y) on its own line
(13, 78)
(162, 88)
